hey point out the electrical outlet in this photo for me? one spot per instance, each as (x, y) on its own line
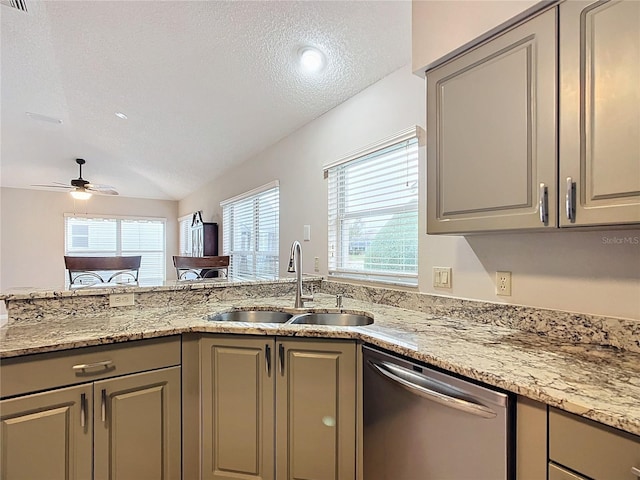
(316, 264)
(121, 299)
(503, 283)
(442, 277)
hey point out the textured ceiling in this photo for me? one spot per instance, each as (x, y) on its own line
(205, 84)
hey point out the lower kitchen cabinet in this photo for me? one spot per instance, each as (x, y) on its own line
(278, 408)
(114, 427)
(47, 435)
(558, 445)
(531, 439)
(590, 450)
(316, 410)
(136, 432)
(237, 408)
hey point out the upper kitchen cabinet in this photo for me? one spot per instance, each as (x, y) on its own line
(491, 133)
(600, 112)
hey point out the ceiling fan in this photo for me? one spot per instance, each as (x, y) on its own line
(80, 188)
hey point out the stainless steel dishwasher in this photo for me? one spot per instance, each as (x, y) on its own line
(421, 424)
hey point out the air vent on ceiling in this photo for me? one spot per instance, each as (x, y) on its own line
(17, 4)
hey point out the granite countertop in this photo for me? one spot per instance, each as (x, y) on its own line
(600, 383)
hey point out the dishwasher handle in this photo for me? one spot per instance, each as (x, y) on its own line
(403, 377)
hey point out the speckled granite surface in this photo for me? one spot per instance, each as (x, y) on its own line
(564, 326)
(600, 383)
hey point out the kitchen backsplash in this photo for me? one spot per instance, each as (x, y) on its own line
(564, 326)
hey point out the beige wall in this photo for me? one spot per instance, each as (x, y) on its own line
(32, 232)
(441, 26)
(589, 272)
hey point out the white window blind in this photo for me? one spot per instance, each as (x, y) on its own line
(114, 236)
(250, 226)
(373, 214)
(185, 235)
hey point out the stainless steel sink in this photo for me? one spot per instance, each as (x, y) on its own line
(332, 319)
(253, 316)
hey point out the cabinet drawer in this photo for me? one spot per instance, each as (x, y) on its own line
(559, 473)
(44, 371)
(594, 450)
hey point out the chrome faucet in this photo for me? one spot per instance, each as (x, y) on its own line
(295, 266)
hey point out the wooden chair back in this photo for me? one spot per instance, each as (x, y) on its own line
(201, 267)
(90, 267)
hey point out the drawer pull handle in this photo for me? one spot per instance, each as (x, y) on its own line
(82, 367)
(83, 410)
(635, 471)
(103, 406)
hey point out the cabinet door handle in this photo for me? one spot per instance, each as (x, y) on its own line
(570, 200)
(281, 355)
(103, 406)
(82, 367)
(544, 204)
(83, 410)
(267, 356)
(635, 471)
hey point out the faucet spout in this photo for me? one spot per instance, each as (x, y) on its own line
(295, 266)
(295, 247)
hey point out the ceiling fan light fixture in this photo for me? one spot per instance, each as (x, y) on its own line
(80, 194)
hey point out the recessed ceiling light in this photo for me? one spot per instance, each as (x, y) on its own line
(121, 115)
(311, 59)
(43, 118)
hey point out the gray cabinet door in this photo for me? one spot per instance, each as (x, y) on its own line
(491, 133)
(600, 112)
(316, 410)
(47, 435)
(237, 408)
(137, 431)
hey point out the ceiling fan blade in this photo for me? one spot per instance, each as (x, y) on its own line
(99, 186)
(101, 189)
(60, 183)
(54, 186)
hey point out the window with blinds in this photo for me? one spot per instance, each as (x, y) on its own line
(184, 239)
(373, 213)
(250, 233)
(114, 236)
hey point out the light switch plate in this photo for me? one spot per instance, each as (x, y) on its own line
(121, 299)
(307, 233)
(442, 277)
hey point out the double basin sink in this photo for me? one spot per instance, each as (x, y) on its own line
(336, 319)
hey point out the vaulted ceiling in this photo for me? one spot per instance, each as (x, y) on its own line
(204, 84)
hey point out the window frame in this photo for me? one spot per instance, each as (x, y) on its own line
(229, 240)
(188, 241)
(338, 216)
(119, 241)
